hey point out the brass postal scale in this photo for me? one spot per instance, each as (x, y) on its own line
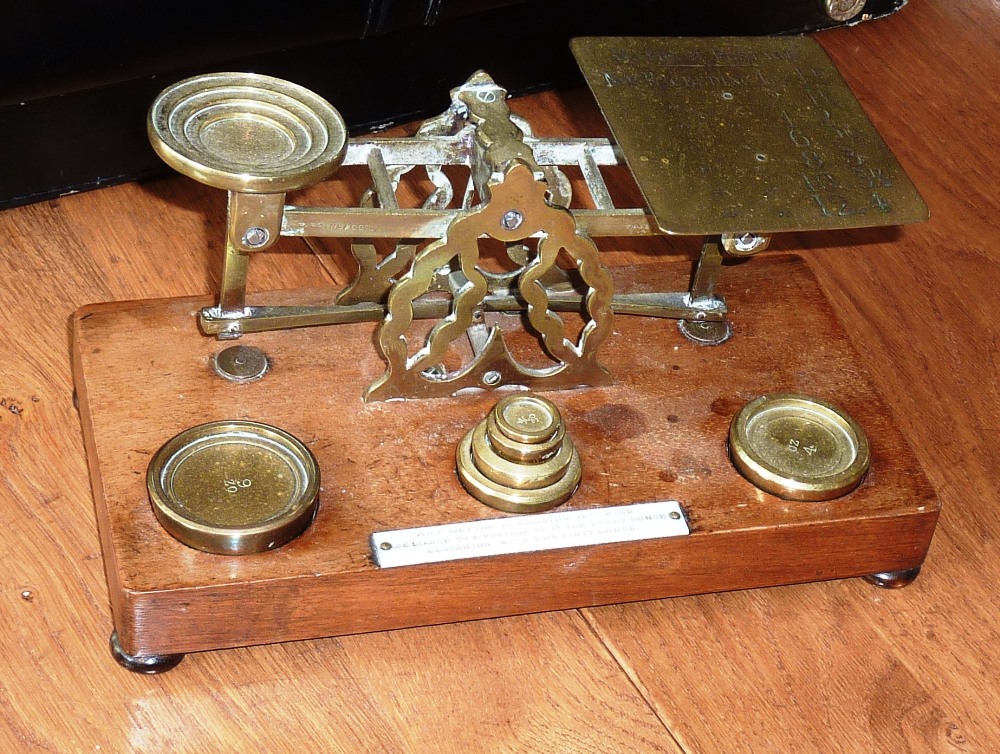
(488, 420)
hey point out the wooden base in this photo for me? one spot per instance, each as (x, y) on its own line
(659, 432)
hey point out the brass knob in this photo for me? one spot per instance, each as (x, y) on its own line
(519, 459)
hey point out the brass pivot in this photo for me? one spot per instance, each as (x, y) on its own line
(519, 459)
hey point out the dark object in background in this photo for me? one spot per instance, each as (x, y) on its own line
(77, 76)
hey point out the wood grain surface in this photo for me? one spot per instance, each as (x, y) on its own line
(832, 667)
(392, 466)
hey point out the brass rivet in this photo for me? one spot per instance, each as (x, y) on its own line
(512, 219)
(255, 237)
(844, 10)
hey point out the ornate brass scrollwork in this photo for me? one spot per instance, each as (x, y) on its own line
(517, 210)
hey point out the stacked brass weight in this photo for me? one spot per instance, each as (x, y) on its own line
(519, 459)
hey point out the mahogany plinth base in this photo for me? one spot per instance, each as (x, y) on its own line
(143, 372)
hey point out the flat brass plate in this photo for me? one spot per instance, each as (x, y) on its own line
(233, 487)
(488, 537)
(247, 132)
(727, 135)
(798, 448)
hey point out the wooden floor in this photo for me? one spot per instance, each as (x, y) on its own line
(830, 667)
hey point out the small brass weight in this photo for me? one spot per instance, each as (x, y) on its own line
(520, 459)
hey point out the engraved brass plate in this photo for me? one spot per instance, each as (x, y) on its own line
(798, 448)
(234, 487)
(745, 134)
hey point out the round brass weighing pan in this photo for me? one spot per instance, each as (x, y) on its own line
(247, 132)
(798, 447)
(234, 487)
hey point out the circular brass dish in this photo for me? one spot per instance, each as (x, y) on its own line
(234, 487)
(798, 448)
(247, 132)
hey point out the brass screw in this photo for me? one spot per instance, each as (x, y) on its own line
(745, 244)
(512, 219)
(844, 10)
(255, 237)
(748, 241)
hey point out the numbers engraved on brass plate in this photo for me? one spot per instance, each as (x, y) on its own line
(795, 445)
(235, 485)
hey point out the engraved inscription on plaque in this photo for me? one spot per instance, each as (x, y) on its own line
(755, 134)
(548, 531)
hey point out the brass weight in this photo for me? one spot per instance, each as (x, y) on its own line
(234, 487)
(798, 447)
(519, 459)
